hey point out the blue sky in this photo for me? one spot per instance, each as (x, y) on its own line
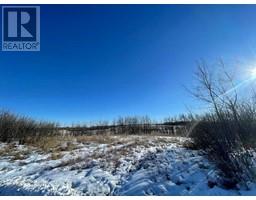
(103, 61)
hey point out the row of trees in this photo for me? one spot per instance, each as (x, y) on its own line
(19, 128)
(134, 120)
(129, 125)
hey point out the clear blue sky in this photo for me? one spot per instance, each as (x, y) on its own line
(102, 61)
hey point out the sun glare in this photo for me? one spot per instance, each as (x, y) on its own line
(253, 72)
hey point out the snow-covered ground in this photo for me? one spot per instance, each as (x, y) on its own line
(134, 165)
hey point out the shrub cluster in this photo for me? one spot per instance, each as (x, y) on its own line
(17, 128)
(227, 130)
(229, 145)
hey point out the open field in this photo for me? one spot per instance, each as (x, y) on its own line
(109, 165)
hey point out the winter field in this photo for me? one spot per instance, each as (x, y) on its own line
(110, 165)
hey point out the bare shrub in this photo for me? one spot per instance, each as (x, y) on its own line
(227, 131)
(23, 129)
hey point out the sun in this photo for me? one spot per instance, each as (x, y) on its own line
(253, 72)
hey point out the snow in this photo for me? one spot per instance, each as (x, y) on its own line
(134, 165)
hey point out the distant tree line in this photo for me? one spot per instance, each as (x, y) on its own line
(19, 128)
(131, 125)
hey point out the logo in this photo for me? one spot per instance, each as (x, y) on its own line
(20, 28)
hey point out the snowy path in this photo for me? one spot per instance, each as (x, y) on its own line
(156, 168)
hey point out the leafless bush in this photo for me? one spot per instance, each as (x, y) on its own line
(227, 132)
(17, 128)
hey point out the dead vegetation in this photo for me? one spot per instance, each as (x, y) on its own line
(18, 128)
(227, 129)
(11, 151)
(98, 139)
(107, 148)
(108, 156)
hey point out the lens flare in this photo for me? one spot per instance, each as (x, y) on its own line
(253, 72)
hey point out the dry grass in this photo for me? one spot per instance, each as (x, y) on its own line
(45, 144)
(70, 162)
(13, 153)
(191, 145)
(99, 139)
(50, 144)
(55, 156)
(106, 157)
(19, 155)
(4, 151)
